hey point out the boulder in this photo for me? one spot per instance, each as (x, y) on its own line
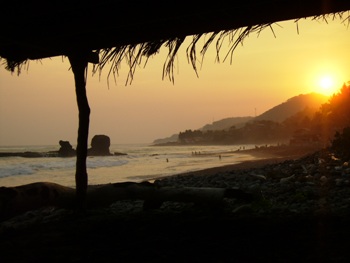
(100, 145)
(66, 149)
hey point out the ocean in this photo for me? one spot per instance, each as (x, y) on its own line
(142, 162)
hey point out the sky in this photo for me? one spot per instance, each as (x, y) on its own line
(38, 107)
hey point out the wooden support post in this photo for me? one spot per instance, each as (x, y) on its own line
(79, 61)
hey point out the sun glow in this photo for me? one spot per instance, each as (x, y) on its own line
(326, 82)
(328, 85)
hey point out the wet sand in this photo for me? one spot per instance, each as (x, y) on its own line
(263, 155)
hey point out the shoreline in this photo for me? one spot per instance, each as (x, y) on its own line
(261, 156)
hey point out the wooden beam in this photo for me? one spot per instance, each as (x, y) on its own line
(19, 199)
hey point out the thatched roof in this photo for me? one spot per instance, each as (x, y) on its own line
(127, 29)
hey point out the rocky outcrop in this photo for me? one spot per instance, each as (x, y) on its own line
(66, 149)
(100, 146)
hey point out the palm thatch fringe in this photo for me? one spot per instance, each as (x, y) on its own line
(137, 54)
(134, 54)
(15, 66)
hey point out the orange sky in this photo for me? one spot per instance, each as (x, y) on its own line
(39, 107)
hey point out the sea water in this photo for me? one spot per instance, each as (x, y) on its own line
(141, 162)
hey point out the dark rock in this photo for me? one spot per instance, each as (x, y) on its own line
(66, 149)
(100, 145)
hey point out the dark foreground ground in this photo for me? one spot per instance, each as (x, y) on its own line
(183, 237)
(301, 219)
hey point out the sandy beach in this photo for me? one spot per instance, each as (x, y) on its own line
(300, 219)
(263, 155)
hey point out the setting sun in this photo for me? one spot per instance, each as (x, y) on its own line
(328, 85)
(326, 82)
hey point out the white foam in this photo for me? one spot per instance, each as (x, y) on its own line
(28, 166)
(141, 162)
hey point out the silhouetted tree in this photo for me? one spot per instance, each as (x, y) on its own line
(341, 143)
(333, 116)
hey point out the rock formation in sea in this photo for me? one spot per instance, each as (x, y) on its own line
(100, 146)
(66, 149)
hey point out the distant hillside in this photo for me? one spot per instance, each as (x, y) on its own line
(172, 138)
(226, 123)
(223, 124)
(279, 113)
(292, 106)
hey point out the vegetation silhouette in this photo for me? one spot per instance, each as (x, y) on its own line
(322, 127)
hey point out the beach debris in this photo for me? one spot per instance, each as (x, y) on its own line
(20, 199)
(258, 176)
(246, 208)
(304, 169)
(323, 179)
(287, 179)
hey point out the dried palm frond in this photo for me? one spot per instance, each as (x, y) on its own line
(15, 66)
(136, 54)
(133, 55)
